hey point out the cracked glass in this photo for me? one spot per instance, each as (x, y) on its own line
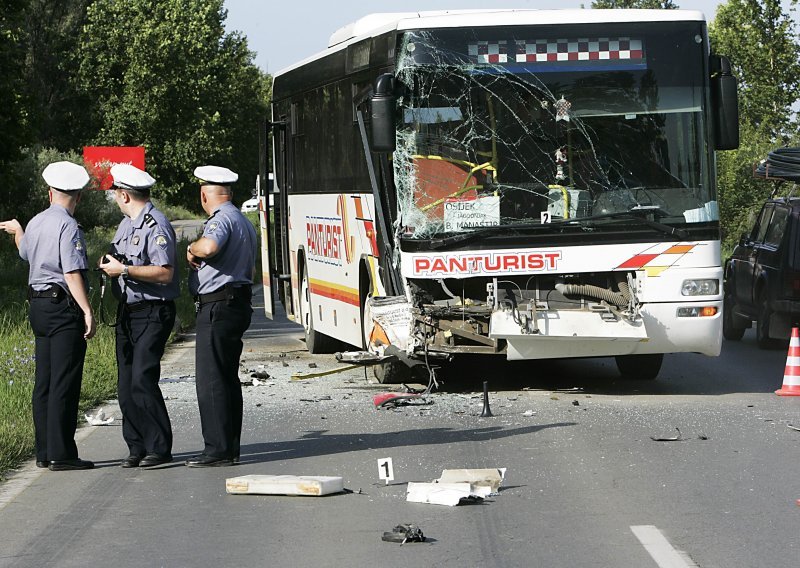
(536, 125)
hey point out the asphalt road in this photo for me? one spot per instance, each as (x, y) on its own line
(586, 486)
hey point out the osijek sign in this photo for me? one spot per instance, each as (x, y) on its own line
(99, 159)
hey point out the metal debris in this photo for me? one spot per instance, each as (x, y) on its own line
(99, 419)
(793, 427)
(304, 376)
(673, 439)
(403, 534)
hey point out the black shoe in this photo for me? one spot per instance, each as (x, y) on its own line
(130, 461)
(151, 460)
(69, 465)
(208, 461)
(42, 464)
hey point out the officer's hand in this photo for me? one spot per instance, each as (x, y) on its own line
(111, 266)
(11, 227)
(91, 326)
(194, 262)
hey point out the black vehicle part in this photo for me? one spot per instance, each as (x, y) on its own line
(732, 328)
(639, 367)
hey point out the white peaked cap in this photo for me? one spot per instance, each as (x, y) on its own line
(65, 176)
(127, 176)
(216, 175)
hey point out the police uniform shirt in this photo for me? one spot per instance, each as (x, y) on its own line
(226, 225)
(53, 244)
(148, 240)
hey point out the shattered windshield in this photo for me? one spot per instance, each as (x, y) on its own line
(503, 126)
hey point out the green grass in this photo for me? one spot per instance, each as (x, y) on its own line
(17, 365)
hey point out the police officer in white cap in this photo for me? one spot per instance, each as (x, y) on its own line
(60, 315)
(222, 262)
(142, 257)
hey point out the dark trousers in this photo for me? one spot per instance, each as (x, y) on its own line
(58, 327)
(220, 326)
(141, 337)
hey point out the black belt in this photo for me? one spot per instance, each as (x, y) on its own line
(226, 293)
(144, 304)
(55, 292)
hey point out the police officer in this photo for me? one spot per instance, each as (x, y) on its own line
(222, 262)
(60, 315)
(142, 258)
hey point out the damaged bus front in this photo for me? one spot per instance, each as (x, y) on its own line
(554, 190)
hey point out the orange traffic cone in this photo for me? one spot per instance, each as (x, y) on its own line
(791, 376)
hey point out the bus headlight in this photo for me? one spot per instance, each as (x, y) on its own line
(700, 287)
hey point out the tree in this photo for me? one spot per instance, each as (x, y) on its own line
(58, 112)
(13, 118)
(761, 41)
(653, 4)
(167, 76)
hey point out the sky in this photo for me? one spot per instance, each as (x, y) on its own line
(283, 33)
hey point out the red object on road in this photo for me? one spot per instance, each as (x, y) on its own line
(391, 398)
(791, 376)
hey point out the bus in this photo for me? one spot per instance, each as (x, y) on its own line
(532, 184)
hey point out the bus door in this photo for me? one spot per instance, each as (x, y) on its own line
(265, 212)
(284, 182)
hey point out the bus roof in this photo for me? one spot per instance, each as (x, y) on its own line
(376, 24)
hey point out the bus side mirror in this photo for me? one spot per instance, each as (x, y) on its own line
(382, 117)
(726, 104)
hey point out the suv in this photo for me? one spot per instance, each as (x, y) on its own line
(762, 276)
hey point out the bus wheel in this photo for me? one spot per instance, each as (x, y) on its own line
(316, 342)
(732, 330)
(392, 373)
(639, 367)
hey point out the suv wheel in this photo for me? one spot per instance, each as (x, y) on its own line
(731, 330)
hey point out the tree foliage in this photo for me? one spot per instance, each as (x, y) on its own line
(653, 4)
(167, 76)
(760, 38)
(13, 116)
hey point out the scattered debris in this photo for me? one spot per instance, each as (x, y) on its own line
(673, 439)
(312, 365)
(575, 403)
(403, 534)
(529, 413)
(313, 485)
(793, 427)
(450, 494)
(99, 419)
(260, 372)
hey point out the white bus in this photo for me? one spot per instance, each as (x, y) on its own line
(527, 183)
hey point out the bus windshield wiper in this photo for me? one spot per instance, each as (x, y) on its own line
(637, 213)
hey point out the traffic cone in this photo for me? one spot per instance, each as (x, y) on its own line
(791, 376)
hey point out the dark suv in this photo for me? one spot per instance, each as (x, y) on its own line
(762, 276)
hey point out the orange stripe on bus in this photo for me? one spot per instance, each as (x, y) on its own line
(334, 292)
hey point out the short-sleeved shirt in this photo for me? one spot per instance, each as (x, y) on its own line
(147, 240)
(234, 262)
(53, 244)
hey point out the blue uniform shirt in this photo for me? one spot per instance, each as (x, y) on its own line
(53, 245)
(148, 240)
(236, 259)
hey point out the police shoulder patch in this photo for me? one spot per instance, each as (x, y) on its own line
(161, 241)
(212, 226)
(78, 244)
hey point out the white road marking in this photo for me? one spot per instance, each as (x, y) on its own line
(659, 547)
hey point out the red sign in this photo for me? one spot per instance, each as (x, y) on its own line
(99, 159)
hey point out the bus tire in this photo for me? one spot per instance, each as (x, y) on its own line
(317, 343)
(392, 373)
(732, 330)
(639, 367)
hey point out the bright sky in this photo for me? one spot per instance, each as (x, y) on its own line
(284, 33)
